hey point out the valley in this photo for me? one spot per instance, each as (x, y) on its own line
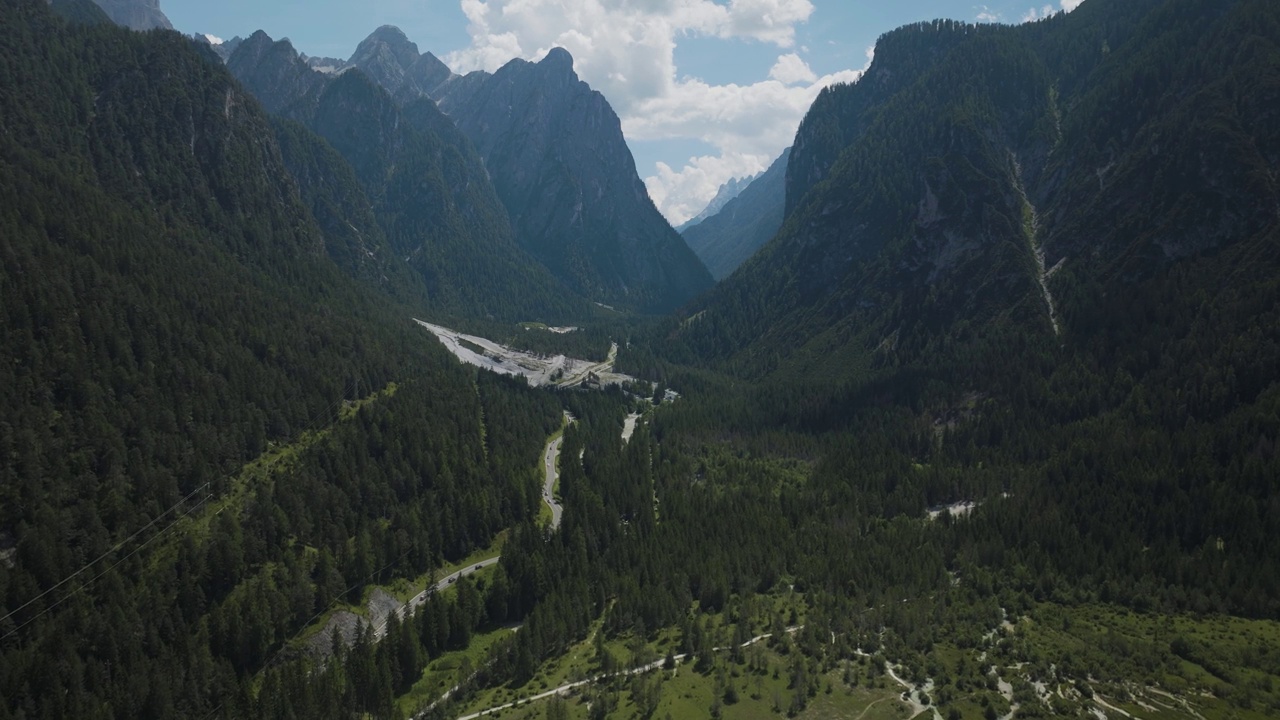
(557, 371)
(380, 386)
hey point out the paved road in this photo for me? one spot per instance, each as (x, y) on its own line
(418, 600)
(549, 459)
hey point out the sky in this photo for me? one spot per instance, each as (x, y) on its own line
(707, 90)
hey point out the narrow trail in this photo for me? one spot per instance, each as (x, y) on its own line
(867, 709)
(650, 667)
(913, 695)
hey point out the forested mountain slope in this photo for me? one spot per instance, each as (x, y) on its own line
(1044, 264)
(428, 190)
(558, 160)
(211, 432)
(743, 224)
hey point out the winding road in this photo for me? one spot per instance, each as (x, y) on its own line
(418, 600)
(549, 460)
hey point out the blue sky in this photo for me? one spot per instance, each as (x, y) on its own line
(707, 89)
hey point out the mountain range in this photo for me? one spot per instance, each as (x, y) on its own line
(562, 168)
(981, 419)
(584, 216)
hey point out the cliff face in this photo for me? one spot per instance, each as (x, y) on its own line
(273, 71)
(427, 187)
(557, 156)
(135, 14)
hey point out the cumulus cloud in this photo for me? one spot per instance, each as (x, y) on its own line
(683, 193)
(1043, 12)
(791, 69)
(626, 50)
(986, 15)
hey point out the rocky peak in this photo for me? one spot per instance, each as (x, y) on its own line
(561, 166)
(275, 73)
(392, 60)
(387, 42)
(558, 60)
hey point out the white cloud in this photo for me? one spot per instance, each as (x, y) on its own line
(790, 70)
(1047, 10)
(986, 15)
(626, 50)
(683, 193)
(213, 39)
(1037, 14)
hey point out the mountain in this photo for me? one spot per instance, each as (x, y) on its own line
(1011, 196)
(85, 12)
(277, 75)
(389, 58)
(427, 187)
(744, 223)
(1045, 254)
(724, 194)
(221, 48)
(326, 65)
(135, 14)
(558, 160)
(209, 426)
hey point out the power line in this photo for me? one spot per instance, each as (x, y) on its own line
(103, 556)
(90, 581)
(312, 423)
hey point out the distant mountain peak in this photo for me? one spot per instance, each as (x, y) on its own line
(558, 59)
(393, 39)
(728, 191)
(743, 223)
(391, 32)
(559, 161)
(393, 61)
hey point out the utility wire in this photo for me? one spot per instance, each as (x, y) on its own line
(90, 581)
(103, 556)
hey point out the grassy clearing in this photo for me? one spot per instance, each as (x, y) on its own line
(1060, 662)
(256, 473)
(446, 671)
(1161, 666)
(683, 693)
